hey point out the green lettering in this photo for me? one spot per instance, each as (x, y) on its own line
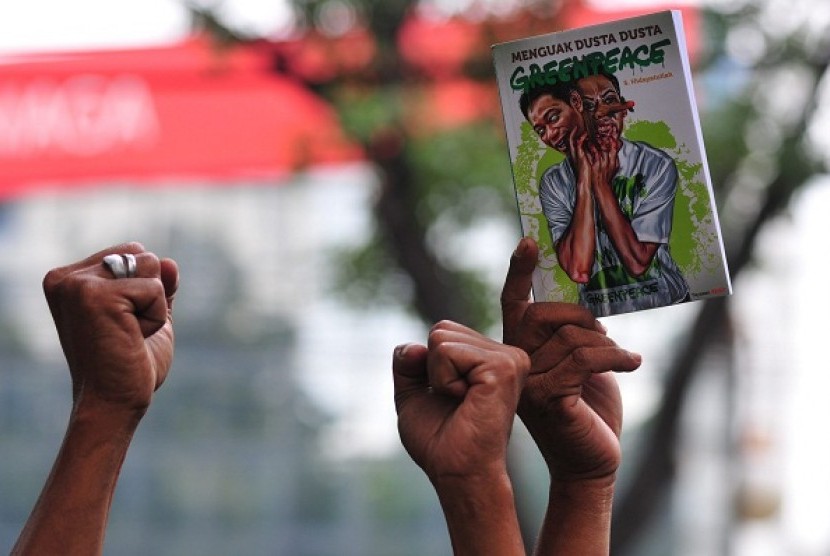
(573, 68)
(611, 60)
(595, 61)
(550, 72)
(537, 76)
(580, 68)
(637, 57)
(565, 68)
(657, 54)
(518, 80)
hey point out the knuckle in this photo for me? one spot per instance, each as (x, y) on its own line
(514, 361)
(571, 334)
(71, 290)
(51, 280)
(534, 315)
(440, 325)
(151, 262)
(442, 349)
(85, 292)
(581, 357)
(133, 247)
(439, 332)
(520, 358)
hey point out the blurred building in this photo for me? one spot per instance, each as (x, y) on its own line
(273, 433)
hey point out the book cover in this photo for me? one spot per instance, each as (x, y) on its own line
(609, 167)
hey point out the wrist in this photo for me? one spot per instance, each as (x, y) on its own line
(90, 410)
(595, 494)
(485, 482)
(578, 518)
(480, 511)
(600, 471)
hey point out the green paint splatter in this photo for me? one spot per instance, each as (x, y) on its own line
(656, 134)
(626, 190)
(693, 237)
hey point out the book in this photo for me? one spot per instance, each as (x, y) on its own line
(609, 167)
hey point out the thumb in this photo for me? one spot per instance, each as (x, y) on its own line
(517, 285)
(170, 280)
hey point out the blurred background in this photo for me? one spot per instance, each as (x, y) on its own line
(331, 176)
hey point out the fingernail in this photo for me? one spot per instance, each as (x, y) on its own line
(401, 350)
(521, 248)
(601, 327)
(637, 357)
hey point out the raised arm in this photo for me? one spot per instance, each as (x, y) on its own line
(570, 406)
(456, 401)
(117, 338)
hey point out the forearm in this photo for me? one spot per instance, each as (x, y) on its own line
(634, 254)
(71, 513)
(576, 249)
(481, 516)
(578, 519)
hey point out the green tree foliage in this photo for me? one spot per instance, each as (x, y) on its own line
(433, 181)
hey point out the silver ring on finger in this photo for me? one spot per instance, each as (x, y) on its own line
(129, 261)
(121, 266)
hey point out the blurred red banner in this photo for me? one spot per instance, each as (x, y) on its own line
(197, 112)
(184, 112)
